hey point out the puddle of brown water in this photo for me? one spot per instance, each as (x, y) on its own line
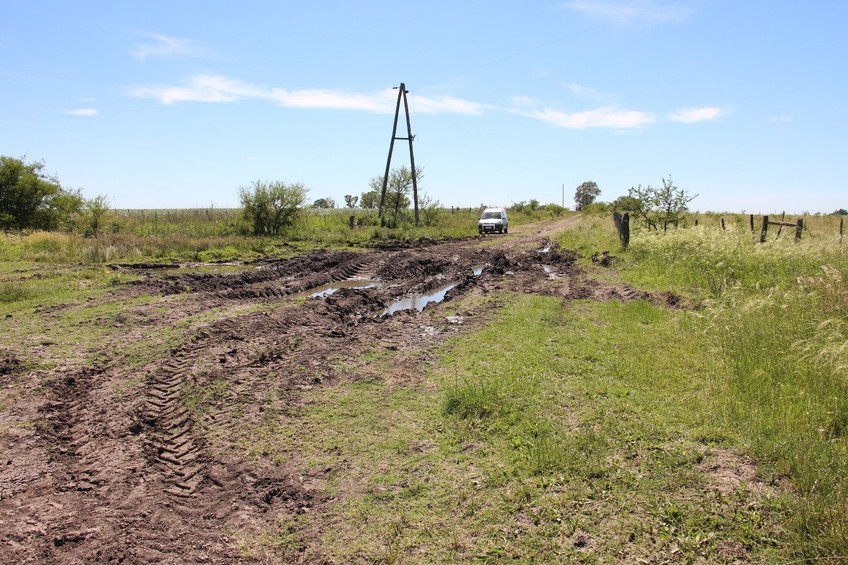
(419, 301)
(331, 288)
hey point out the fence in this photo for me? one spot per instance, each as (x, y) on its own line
(622, 225)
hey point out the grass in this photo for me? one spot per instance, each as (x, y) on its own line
(775, 315)
(565, 443)
(214, 235)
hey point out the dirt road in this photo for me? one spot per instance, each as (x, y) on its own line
(118, 458)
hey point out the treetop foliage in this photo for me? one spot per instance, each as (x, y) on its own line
(586, 194)
(32, 199)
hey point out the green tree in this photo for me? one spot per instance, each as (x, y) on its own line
(271, 207)
(661, 206)
(397, 191)
(371, 200)
(351, 200)
(671, 203)
(586, 194)
(95, 211)
(31, 199)
(627, 203)
(324, 203)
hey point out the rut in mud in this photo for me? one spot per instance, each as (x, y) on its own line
(144, 465)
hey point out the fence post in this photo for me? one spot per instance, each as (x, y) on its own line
(722, 224)
(625, 229)
(751, 220)
(622, 225)
(798, 230)
(764, 231)
(841, 221)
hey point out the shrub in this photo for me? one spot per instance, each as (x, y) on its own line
(270, 207)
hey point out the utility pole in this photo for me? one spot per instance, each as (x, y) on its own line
(402, 92)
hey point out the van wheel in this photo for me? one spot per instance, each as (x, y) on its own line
(506, 230)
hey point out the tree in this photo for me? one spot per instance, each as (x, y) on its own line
(586, 194)
(31, 199)
(671, 203)
(271, 207)
(324, 203)
(397, 190)
(627, 203)
(371, 200)
(660, 206)
(351, 200)
(95, 211)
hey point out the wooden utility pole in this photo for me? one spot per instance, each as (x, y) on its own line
(409, 137)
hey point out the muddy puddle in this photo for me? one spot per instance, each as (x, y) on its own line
(331, 288)
(419, 301)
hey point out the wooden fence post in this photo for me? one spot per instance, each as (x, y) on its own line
(841, 220)
(764, 230)
(798, 230)
(751, 220)
(780, 227)
(722, 224)
(622, 225)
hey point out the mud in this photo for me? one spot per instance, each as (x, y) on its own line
(107, 463)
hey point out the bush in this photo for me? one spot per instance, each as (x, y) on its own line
(271, 207)
(31, 199)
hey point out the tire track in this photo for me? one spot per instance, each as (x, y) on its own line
(177, 449)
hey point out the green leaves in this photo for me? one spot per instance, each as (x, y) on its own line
(31, 199)
(270, 207)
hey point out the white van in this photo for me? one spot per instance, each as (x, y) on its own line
(493, 220)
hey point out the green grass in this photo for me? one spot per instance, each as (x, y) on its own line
(775, 315)
(566, 442)
(208, 235)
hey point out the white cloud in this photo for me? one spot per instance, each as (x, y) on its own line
(629, 12)
(211, 88)
(582, 91)
(604, 117)
(781, 119)
(693, 115)
(163, 46)
(82, 112)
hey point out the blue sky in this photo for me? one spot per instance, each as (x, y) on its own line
(168, 104)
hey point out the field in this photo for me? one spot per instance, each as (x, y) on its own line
(176, 392)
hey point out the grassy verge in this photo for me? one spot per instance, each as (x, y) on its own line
(578, 439)
(775, 314)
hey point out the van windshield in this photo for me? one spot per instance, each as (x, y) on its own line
(490, 215)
